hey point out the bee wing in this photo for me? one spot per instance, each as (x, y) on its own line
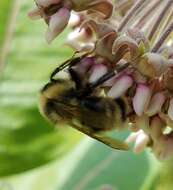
(111, 142)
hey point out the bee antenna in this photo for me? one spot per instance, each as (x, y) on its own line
(69, 63)
(58, 69)
(62, 67)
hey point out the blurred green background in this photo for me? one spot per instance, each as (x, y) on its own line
(35, 155)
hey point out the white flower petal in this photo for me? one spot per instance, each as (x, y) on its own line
(75, 45)
(77, 34)
(132, 137)
(74, 20)
(155, 104)
(98, 70)
(87, 47)
(120, 86)
(141, 142)
(141, 98)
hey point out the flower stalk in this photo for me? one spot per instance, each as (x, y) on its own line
(163, 37)
(125, 39)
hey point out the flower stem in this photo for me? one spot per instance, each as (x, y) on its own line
(147, 13)
(130, 13)
(164, 24)
(163, 37)
(122, 5)
(9, 33)
(159, 19)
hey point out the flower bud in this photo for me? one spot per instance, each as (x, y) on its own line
(97, 71)
(141, 142)
(155, 104)
(120, 87)
(141, 98)
(57, 23)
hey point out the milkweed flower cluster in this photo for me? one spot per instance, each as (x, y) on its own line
(135, 41)
(56, 13)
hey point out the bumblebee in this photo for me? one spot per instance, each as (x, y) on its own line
(74, 103)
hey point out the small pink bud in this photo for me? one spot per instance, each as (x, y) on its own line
(98, 70)
(74, 20)
(132, 137)
(141, 98)
(84, 65)
(120, 87)
(170, 109)
(141, 142)
(57, 23)
(75, 45)
(77, 34)
(87, 47)
(155, 104)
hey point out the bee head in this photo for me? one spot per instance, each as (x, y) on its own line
(57, 102)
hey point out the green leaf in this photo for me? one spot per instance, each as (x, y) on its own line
(101, 165)
(162, 177)
(27, 141)
(32, 144)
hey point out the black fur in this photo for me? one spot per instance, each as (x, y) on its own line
(122, 107)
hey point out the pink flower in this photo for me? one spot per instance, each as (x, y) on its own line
(133, 43)
(56, 13)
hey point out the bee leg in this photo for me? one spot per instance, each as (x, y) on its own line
(122, 107)
(111, 142)
(69, 63)
(76, 78)
(58, 69)
(103, 79)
